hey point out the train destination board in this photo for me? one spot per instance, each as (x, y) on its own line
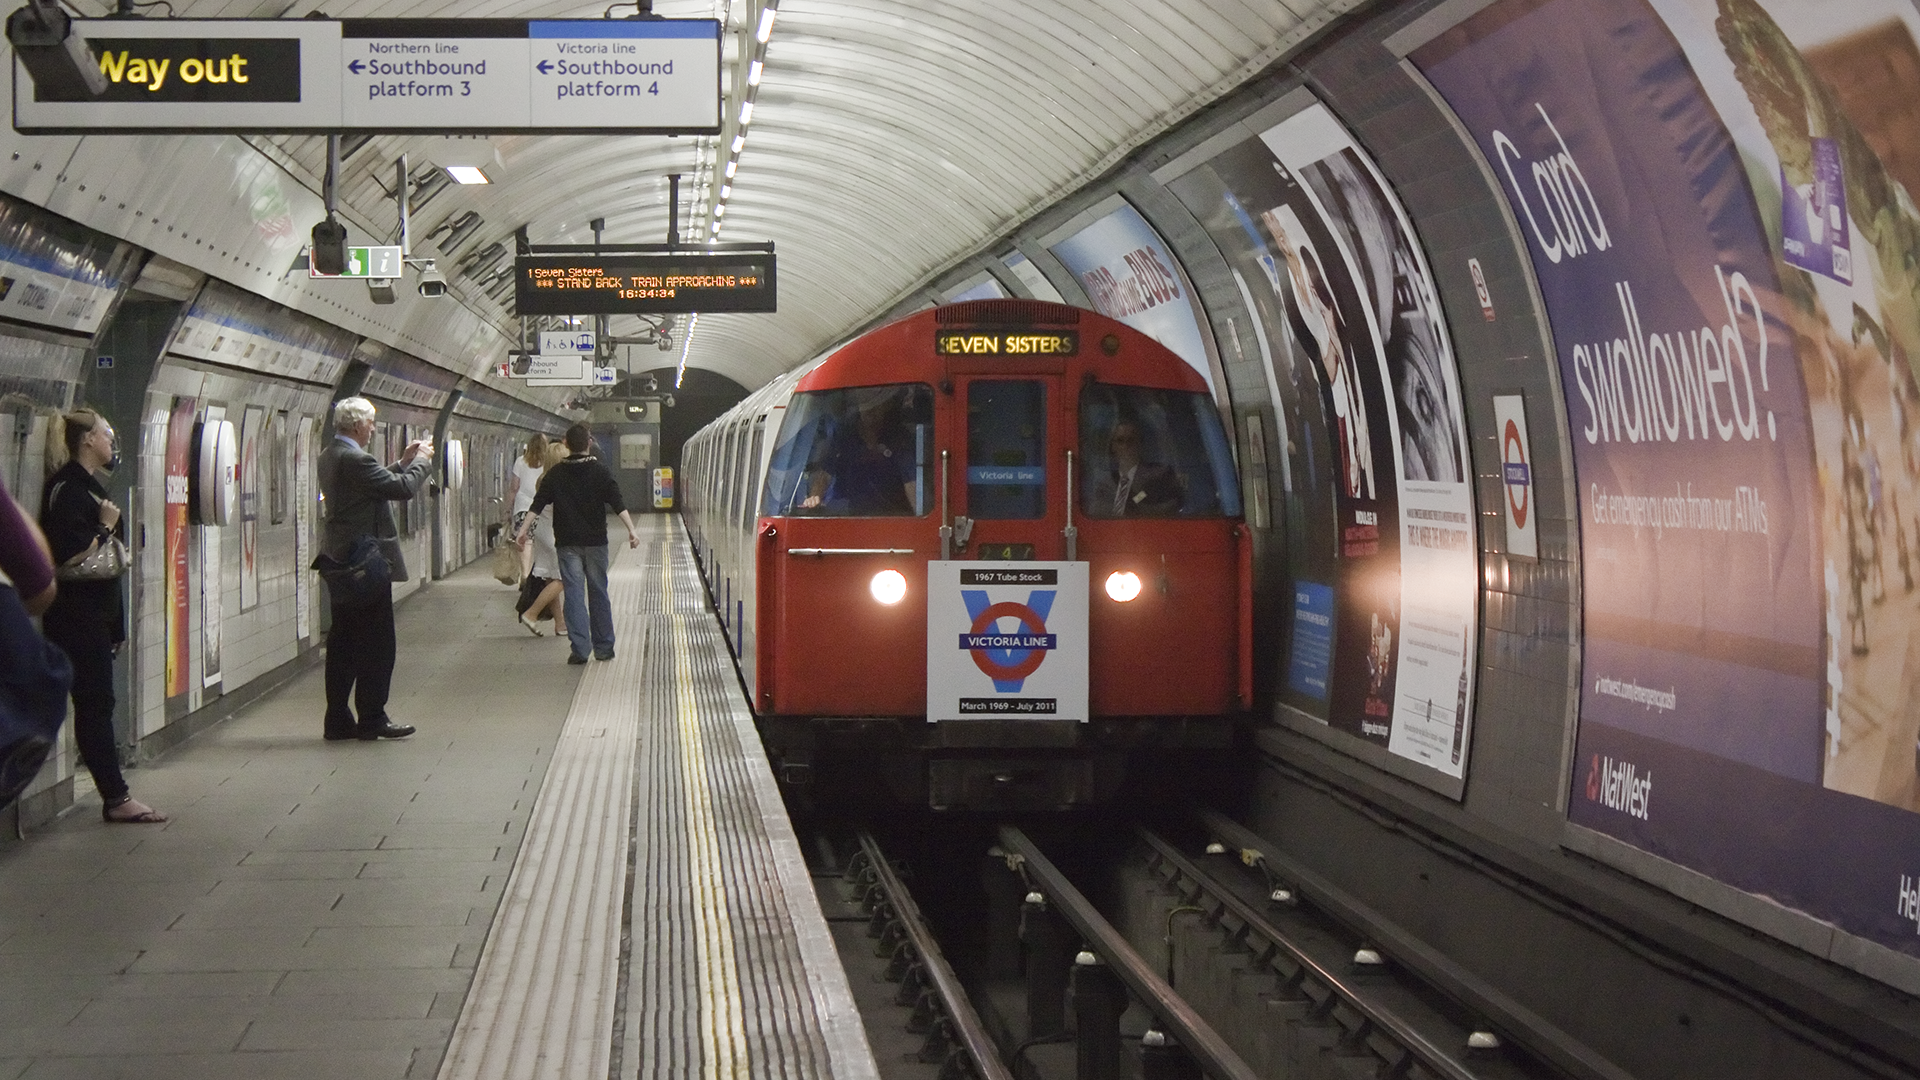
(448, 76)
(1006, 343)
(644, 283)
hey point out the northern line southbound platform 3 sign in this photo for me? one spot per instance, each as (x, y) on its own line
(447, 76)
(644, 283)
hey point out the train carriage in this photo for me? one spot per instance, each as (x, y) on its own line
(834, 508)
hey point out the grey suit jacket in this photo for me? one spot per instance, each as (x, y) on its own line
(357, 489)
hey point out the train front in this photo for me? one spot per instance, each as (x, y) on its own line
(1004, 566)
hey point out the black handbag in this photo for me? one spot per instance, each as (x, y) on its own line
(362, 578)
(35, 677)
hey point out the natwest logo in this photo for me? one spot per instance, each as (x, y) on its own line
(1618, 785)
(1909, 906)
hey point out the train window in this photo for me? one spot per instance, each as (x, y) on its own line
(1154, 453)
(750, 505)
(1006, 449)
(860, 452)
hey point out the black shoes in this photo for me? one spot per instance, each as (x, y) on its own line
(608, 655)
(342, 736)
(386, 731)
(576, 658)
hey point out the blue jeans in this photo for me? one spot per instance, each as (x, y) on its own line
(583, 579)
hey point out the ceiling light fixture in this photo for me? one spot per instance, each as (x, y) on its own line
(739, 143)
(732, 167)
(719, 210)
(467, 174)
(726, 191)
(753, 73)
(766, 24)
(746, 113)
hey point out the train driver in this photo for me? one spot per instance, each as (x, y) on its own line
(867, 468)
(1136, 487)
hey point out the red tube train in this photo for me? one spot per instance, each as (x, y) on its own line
(989, 556)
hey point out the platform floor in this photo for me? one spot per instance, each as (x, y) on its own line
(334, 910)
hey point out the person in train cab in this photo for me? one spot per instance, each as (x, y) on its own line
(88, 616)
(1136, 487)
(361, 644)
(867, 468)
(582, 491)
(527, 469)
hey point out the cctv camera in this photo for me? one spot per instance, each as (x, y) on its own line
(432, 282)
(666, 342)
(380, 289)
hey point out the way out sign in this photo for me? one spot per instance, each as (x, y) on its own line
(1007, 640)
(445, 76)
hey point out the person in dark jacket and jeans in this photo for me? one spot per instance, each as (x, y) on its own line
(88, 619)
(361, 643)
(581, 491)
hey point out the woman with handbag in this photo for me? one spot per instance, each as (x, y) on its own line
(88, 619)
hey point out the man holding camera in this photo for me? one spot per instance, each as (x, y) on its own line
(361, 643)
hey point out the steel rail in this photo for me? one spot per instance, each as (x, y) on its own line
(1542, 1037)
(1209, 1050)
(1434, 1058)
(966, 1026)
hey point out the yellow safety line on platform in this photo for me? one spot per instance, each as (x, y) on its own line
(723, 1029)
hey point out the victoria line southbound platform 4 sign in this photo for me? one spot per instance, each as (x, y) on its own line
(644, 283)
(442, 75)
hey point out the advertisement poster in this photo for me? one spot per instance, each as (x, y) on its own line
(1130, 275)
(1007, 640)
(212, 595)
(179, 464)
(1383, 627)
(253, 429)
(1729, 265)
(303, 552)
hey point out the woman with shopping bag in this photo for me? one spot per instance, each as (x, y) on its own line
(88, 619)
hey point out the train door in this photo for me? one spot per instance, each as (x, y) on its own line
(1010, 496)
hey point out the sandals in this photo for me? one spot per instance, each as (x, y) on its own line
(531, 626)
(130, 811)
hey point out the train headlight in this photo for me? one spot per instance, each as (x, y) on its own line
(890, 586)
(1123, 585)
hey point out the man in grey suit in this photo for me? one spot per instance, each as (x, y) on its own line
(361, 643)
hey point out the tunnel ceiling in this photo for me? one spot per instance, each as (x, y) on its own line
(888, 139)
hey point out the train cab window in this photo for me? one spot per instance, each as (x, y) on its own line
(859, 452)
(1006, 449)
(1154, 453)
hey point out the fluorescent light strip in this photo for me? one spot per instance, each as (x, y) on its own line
(746, 113)
(467, 174)
(739, 143)
(732, 167)
(686, 346)
(753, 73)
(726, 191)
(766, 25)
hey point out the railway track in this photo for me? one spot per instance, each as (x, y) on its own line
(1292, 995)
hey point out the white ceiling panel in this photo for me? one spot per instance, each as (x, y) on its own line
(889, 139)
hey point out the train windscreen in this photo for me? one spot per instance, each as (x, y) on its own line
(1154, 453)
(860, 452)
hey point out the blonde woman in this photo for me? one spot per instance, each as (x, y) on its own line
(527, 470)
(88, 619)
(544, 561)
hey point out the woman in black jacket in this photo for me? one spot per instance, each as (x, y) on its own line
(88, 619)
